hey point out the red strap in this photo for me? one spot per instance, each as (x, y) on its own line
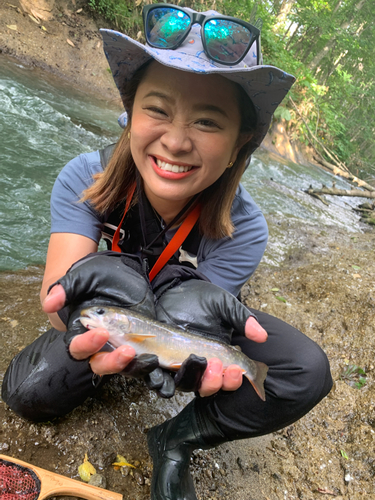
(176, 241)
(116, 236)
(172, 246)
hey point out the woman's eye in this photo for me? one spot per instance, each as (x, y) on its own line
(209, 124)
(157, 111)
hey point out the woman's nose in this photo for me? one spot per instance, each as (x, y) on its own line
(177, 139)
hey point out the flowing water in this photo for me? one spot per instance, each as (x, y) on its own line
(43, 124)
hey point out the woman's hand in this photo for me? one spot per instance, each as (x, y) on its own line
(89, 344)
(215, 378)
(207, 309)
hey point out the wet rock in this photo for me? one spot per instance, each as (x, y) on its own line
(98, 480)
(138, 476)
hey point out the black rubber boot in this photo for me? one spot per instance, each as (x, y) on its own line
(170, 445)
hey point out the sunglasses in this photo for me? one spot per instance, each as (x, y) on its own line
(225, 39)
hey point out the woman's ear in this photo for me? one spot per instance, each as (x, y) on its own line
(243, 139)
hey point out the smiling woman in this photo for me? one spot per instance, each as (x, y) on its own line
(183, 141)
(167, 197)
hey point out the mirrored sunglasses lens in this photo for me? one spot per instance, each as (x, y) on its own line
(166, 26)
(226, 41)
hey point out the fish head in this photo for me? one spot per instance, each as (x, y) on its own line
(104, 317)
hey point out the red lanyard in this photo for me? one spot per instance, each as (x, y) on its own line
(172, 246)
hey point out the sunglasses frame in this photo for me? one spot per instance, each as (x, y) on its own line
(202, 19)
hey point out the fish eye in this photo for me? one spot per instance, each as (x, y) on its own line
(100, 311)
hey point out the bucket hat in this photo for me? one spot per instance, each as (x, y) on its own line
(265, 85)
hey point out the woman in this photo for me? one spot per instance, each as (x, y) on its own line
(169, 202)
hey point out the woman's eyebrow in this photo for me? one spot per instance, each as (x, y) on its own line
(196, 107)
(210, 107)
(155, 93)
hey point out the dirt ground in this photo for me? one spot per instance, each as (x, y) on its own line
(327, 290)
(325, 287)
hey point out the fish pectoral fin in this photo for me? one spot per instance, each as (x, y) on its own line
(139, 337)
(174, 366)
(237, 347)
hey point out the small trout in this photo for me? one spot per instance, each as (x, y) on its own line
(172, 345)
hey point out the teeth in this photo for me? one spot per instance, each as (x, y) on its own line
(172, 168)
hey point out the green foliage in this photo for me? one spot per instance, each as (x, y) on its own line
(326, 44)
(121, 14)
(354, 375)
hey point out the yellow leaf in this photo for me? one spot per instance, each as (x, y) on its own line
(86, 470)
(70, 42)
(79, 11)
(121, 462)
(34, 19)
(12, 27)
(44, 29)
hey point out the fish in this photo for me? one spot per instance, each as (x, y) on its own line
(171, 344)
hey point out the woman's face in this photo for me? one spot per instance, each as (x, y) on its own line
(184, 132)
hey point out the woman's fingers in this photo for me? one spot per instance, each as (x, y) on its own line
(55, 300)
(232, 378)
(215, 378)
(254, 331)
(88, 344)
(212, 379)
(108, 363)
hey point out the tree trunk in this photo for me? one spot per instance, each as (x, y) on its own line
(325, 50)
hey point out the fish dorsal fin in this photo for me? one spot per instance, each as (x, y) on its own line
(237, 347)
(139, 337)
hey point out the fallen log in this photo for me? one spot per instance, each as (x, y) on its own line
(339, 168)
(347, 175)
(340, 192)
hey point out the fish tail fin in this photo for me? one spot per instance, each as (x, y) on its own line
(258, 381)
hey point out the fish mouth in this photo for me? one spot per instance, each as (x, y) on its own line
(87, 320)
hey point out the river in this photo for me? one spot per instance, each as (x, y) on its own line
(44, 123)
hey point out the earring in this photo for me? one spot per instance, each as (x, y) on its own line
(129, 134)
(230, 164)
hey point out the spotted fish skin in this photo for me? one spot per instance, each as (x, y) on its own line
(172, 345)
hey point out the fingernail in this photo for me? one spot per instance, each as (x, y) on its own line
(214, 368)
(126, 351)
(235, 375)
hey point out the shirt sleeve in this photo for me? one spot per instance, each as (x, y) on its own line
(230, 262)
(68, 213)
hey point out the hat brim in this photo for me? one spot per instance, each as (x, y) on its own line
(265, 85)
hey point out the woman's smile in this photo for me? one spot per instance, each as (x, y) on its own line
(169, 169)
(172, 167)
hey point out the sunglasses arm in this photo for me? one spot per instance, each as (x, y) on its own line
(259, 51)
